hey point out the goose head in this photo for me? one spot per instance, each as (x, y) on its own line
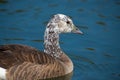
(62, 24)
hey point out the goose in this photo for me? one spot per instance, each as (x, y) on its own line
(22, 62)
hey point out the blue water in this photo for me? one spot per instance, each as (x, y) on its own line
(96, 54)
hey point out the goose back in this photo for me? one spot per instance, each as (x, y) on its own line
(25, 62)
(14, 54)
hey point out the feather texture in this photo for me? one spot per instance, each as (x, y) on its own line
(27, 63)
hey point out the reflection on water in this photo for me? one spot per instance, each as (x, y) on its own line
(101, 15)
(37, 40)
(3, 1)
(118, 2)
(95, 54)
(16, 29)
(53, 5)
(66, 77)
(101, 23)
(108, 55)
(78, 58)
(81, 10)
(3, 10)
(20, 11)
(118, 17)
(9, 39)
(91, 49)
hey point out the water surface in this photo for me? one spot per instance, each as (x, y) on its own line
(96, 54)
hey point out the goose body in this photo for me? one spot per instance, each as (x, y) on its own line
(21, 62)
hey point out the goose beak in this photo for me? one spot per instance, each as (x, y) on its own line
(76, 30)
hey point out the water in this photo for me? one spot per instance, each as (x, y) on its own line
(96, 54)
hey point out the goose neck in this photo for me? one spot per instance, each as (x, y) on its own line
(51, 43)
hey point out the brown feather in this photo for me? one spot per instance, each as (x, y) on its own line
(13, 54)
(27, 63)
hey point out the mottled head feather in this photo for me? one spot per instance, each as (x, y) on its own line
(60, 23)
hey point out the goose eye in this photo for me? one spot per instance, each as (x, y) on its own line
(68, 22)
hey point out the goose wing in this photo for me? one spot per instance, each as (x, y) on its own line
(27, 63)
(16, 54)
(32, 71)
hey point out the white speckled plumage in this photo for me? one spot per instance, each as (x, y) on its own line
(2, 73)
(58, 24)
(16, 57)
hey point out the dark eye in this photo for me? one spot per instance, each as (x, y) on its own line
(68, 22)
